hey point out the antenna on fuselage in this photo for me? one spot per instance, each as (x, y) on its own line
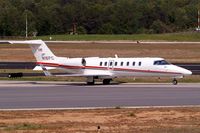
(116, 56)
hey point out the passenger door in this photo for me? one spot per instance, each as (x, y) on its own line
(111, 64)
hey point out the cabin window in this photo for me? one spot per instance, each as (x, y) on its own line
(122, 63)
(127, 63)
(83, 62)
(140, 63)
(133, 63)
(105, 64)
(115, 63)
(101, 63)
(111, 63)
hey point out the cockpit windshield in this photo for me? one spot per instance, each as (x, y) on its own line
(161, 62)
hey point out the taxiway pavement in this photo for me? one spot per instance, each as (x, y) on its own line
(31, 94)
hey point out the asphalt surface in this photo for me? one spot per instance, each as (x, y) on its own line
(27, 94)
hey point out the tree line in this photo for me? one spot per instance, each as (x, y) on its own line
(97, 16)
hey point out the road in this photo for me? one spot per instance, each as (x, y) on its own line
(27, 94)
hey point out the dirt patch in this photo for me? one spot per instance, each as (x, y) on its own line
(110, 120)
(171, 52)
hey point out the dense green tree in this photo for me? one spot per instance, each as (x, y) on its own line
(97, 16)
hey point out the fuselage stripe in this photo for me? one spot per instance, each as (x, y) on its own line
(103, 68)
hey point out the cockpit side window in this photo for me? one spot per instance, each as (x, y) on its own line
(161, 62)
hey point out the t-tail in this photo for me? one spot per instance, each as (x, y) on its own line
(40, 50)
(42, 53)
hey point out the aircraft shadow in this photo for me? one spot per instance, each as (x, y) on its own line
(62, 84)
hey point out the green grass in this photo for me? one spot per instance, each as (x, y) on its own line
(188, 79)
(44, 78)
(153, 37)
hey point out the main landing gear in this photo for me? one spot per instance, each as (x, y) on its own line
(106, 81)
(174, 81)
(91, 81)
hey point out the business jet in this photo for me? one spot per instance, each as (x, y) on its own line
(102, 68)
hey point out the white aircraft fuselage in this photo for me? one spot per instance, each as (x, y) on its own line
(103, 68)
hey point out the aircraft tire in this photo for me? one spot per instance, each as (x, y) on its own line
(175, 82)
(106, 81)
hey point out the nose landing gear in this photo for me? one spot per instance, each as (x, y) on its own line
(174, 81)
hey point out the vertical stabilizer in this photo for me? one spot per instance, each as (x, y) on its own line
(40, 50)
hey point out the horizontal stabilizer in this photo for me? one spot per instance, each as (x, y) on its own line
(39, 68)
(39, 42)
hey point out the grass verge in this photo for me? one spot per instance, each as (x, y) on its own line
(189, 79)
(191, 36)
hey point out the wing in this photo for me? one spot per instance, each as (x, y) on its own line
(83, 75)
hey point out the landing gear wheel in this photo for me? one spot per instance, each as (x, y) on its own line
(175, 82)
(106, 81)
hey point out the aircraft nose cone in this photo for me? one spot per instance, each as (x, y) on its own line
(187, 72)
